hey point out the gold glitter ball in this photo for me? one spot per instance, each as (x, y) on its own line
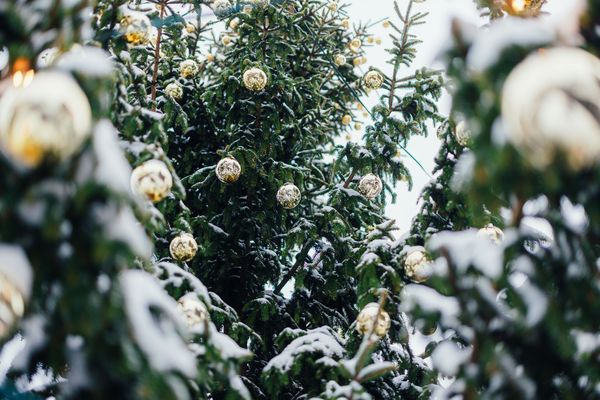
(289, 196)
(194, 310)
(228, 170)
(370, 186)
(371, 319)
(416, 266)
(188, 69)
(174, 90)
(152, 180)
(136, 28)
(255, 79)
(372, 80)
(183, 247)
(339, 60)
(346, 119)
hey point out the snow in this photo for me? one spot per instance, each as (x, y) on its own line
(467, 248)
(574, 216)
(429, 300)
(120, 224)
(535, 300)
(158, 337)
(176, 276)
(448, 357)
(87, 60)
(15, 266)
(499, 36)
(112, 169)
(587, 342)
(319, 340)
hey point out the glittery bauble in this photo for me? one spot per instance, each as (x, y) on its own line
(183, 247)
(174, 90)
(550, 104)
(221, 8)
(355, 45)
(136, 27)
(234, 23)
(228, 170)
(152, 180)
(371, 315)
(188, 69)
(15, 286)
(345, 23)
(51, 117)
(462, 133)
(255, 79)
(340, 60)
(492, 232)
(416, 265)
(332, 6)
(370, 186)
(373, 80)
(346, 119)
(190, 27)
(523, 8)
(193, 309)
(288, 196)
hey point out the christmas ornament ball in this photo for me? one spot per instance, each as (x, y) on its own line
(174, 90)
(16, 277)
(373, 80)
(221, 8)
(371, 319)
(194, 310)
(339, 60)
(183, 247)
(370, 186)
(416, 266)
(228, 170)
(136, 27)
(288, 196)
(188, 69)
(548, 103)
(255, 79)
(51, 117)
(462, 133)
(152, 180)
(492, 232)
(346, 119)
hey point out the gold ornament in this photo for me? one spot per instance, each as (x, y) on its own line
(234, 23)
(221, 7)
(378, 41)
(346, 119)
(152, 180)
(255, 79)
(523, 8)
(228, 170)
(210, 57)
(416, 265)
(15, 286)
(355, 45)
(51, 117)
(339, 60)
(174, 90)
(193, 309)
(183, 247)
(372, 80)
(462, 133)
(288, 196)
(370, 186)
(190, 27)
(188, 69)
(492, 232)
(386, 24)
(332, 6)
(345, 23)
(226, 40)
(371, 319)
(548, 107)
(136, 28)
(370, 39)
(358, 126)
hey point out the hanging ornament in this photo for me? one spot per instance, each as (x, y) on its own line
(386, 24)
(355, 45)
(345, 23)
(372, 80)
(136, 28)
(190, 27)
(371, 316)
(549, 105)
(183, 247)
(339, 60)
(523, 8)
(174, 90)
(226, 40)
(16, 276)
(370, 186)
(193, 309)
(228, 170)
(416, 266)
(49, 118)
(234, 23)
(492, 232)
(255, 79)
(152, 180)
(346, 119)
(288, 196)
(221, 8)
(462, 133)
(188, 69)
(332, 6)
